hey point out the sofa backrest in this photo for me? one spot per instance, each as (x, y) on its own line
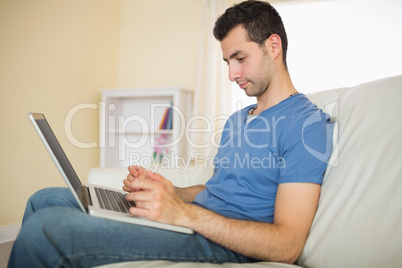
(359, 218)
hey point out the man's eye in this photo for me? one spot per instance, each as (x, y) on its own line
(241, 59)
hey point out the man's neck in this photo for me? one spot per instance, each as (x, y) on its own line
(279, 89)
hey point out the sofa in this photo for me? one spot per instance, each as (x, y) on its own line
(359, 218)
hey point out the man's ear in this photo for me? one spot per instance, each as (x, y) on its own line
(273, 46)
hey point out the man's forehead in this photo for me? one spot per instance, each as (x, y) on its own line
(235, 43)
(234, 40)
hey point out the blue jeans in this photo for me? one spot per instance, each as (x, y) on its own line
(56, 233)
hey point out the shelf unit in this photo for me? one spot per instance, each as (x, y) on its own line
(130, 121)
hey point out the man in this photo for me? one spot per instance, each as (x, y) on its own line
(258, 205)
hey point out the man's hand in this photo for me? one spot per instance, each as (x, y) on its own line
(134, 173)
(155, 198)
(187, 194)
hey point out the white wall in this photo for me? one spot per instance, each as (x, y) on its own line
(341, 43)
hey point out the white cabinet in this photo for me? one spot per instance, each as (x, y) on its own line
(131, 126)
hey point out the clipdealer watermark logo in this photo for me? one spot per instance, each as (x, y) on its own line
(201, 161)
(115, 132)
(115, 127)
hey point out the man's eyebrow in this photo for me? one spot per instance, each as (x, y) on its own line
(234, 55)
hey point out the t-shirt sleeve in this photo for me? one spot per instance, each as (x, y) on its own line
(306, 150)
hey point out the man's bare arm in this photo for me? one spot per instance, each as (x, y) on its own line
(188, 194)
(282, 241)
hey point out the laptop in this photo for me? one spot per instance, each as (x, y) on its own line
(96, 200)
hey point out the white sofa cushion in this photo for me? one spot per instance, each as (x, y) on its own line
(180, 177)
(358, 221)
(168, 264)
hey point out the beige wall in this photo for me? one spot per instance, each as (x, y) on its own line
(158, 43)
(55, 55)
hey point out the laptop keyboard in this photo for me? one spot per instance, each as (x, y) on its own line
(113, 200)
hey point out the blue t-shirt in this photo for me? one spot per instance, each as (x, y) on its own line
(289, 142)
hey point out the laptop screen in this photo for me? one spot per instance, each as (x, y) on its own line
(56, 151)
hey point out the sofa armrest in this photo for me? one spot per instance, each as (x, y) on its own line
(180, 177)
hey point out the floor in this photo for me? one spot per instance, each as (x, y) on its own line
(5, 250)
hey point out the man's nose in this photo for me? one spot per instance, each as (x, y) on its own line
(234, 72)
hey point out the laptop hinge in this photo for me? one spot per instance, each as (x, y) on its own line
(85, 197)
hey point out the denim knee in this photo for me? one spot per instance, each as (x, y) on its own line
(49, 197)
(34, 245)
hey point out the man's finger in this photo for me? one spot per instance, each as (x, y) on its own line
(139, 196)
(157, 177)
(137, 211)
(143, 183)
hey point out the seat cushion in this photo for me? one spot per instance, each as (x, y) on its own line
(167, 264)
